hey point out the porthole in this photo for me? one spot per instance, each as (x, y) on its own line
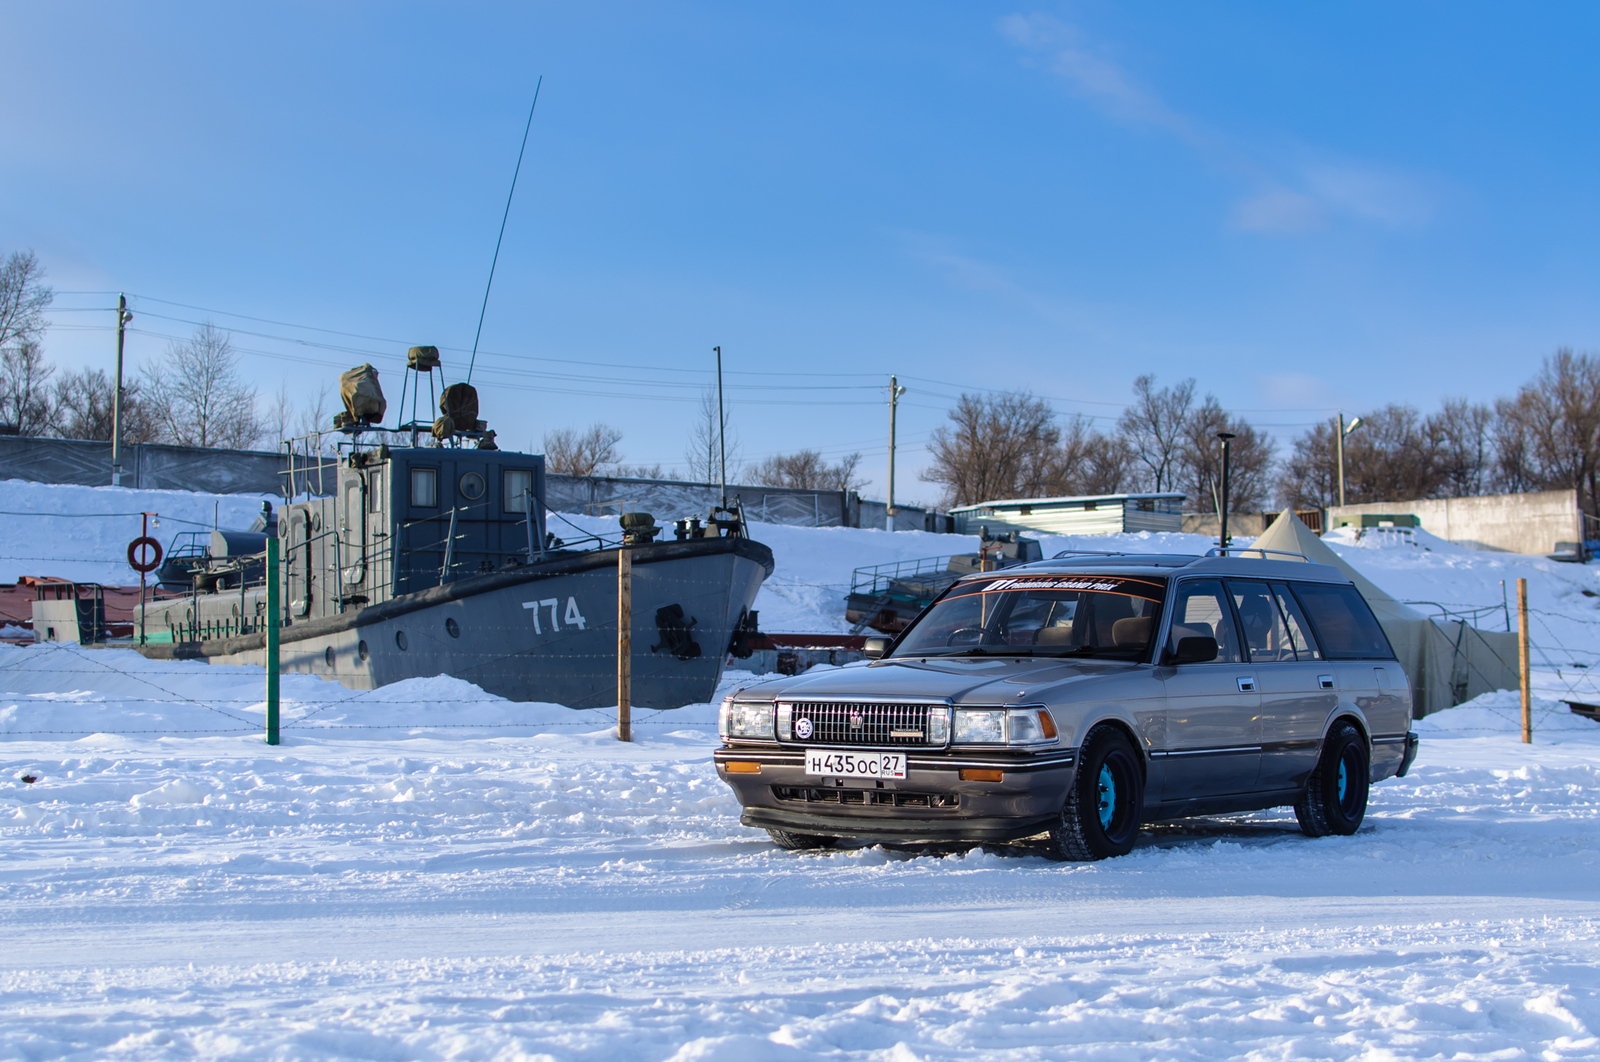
(452, 627)
(327, 657)
(400, 639)
(361, 649)
(472, 486)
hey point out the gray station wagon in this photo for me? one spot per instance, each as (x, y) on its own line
(1076, 698)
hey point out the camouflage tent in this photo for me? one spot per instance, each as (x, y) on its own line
(1447, 661)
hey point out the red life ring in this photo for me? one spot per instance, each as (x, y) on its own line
(144, 544)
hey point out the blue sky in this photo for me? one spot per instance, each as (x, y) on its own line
(1306, 207)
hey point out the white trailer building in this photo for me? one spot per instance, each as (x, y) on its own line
(1100, 514)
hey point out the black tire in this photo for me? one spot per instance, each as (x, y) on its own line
(1101, 816)
(1335, 798)
(799, 842)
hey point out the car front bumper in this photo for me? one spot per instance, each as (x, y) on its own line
(932, 804)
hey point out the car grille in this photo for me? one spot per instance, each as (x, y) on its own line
(860, 724)
(868, 797)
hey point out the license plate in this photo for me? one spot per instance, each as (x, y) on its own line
(838, 763)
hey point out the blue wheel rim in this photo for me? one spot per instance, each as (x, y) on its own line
(1108, 796)
(1344, 780)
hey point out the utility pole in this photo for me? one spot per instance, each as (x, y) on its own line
(123, 317)
(722, 431)
(1222, 538)
(895, 391)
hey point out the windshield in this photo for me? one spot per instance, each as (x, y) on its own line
(1040, 615)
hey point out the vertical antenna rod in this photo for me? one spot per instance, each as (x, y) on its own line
(895, 391)
(502, 236)
(722, 430)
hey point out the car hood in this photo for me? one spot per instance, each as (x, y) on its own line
(962, 680)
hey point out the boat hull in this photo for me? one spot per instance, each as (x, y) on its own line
(544, 632)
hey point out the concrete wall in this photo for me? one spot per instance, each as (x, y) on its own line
(1513, 523)
(1247, 524)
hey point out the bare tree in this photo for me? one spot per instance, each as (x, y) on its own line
(196, 395)
(24, 374)
(1462, 435)
(1088, 461)
(570, 452)
(1391, 457)
(1155, 426)
(1250, 455)
(23, 299)
(702, 454)
(655, 471)
(807, 470)
(1000, 446)
(24, 394)
(1556, 419)
(82, 408)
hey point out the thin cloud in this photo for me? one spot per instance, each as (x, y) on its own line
(1090, 75)
(1288, 199)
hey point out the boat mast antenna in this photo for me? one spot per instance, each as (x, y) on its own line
(722, 430)
(502, 236)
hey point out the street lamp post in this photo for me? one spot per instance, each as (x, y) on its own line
(1341, 431)
(1222, 537)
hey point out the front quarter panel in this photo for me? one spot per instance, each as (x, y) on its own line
(1134, 700)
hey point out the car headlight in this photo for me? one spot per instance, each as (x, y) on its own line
(1004, 726)
(983, 726)
(745, 720)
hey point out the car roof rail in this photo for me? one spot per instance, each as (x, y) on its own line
(1223, 551)
(1101, 553)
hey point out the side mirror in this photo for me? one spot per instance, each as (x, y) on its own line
(873, 648)
(1196, 649)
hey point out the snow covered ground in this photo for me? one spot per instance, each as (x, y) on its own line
(426, 871)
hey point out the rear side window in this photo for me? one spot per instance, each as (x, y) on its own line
(1343, 621)
(1265, 633)
(1305, 646)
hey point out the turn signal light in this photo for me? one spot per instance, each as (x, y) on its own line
(1047, 724)
(976, 774)
(742, 767)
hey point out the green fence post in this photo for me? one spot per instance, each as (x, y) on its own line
(272, 639)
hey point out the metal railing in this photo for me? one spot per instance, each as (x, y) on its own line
(875, 578)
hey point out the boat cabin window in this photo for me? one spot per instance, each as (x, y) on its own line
(425, 487)
(518, 483)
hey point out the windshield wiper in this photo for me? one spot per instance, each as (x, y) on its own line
(1097, 650)
(988, 650)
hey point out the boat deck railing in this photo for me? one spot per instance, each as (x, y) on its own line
(875, 578)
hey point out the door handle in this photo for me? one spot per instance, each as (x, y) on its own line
(1247, 684)
(1325, 681)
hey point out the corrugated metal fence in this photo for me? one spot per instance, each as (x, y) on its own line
(155, 466)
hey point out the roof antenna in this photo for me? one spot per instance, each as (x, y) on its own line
(502, 235)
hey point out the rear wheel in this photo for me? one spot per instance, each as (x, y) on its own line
(1101, 815)
(1335, 799)
(799, 842)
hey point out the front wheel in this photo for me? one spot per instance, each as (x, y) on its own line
(1335, 798)
(799, 842)
(1101, 815)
